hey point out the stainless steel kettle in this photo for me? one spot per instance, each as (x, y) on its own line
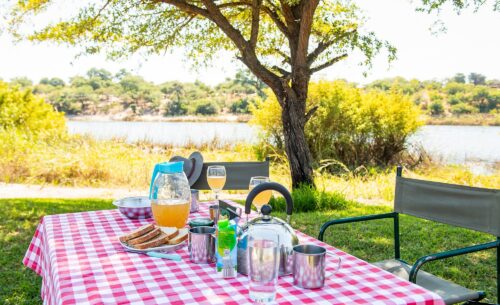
(287, 237)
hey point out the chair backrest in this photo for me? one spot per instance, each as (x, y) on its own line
(468, 207)
(238, 174)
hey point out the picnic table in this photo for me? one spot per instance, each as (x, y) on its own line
(81, 262)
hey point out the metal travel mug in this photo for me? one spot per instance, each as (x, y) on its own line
(201, 245)
(309, 266)
(195, 200)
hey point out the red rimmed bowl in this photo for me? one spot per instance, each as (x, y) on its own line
(135, 207)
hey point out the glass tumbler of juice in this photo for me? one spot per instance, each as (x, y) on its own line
(170, 195)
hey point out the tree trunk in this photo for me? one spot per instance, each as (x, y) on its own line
(296, 147)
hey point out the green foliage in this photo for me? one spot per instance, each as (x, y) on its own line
(176, 108)
(438, 97)
(206, 107)
(351, 126)
(459, 78)
(308, 199)
(54, 82)
(477, 79)
(241, 106)
(21, 111)
(462, 108)
(436, 108)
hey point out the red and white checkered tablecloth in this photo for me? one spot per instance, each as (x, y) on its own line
(81, 262)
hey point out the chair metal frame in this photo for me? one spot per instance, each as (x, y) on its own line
(427, 258)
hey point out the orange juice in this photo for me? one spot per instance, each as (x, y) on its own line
(216, 183)
(262, 198)
(170, 213)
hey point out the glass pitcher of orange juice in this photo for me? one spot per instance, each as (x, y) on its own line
(170, 195)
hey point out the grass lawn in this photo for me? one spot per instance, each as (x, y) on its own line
(371, 241)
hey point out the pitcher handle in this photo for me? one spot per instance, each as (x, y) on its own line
(155, 173)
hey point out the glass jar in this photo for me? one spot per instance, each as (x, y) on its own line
(170, 195)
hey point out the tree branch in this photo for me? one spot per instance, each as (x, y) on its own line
(248, 55)
(328, 63)
(254, 32)
(323, 45)
(311, 112)
(286, 58)
(186, 7)
(269, 11)
(283, 72)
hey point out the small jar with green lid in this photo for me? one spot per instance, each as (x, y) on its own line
(201, 222)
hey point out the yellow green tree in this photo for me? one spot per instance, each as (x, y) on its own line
(282, 42)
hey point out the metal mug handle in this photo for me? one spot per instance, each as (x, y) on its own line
(331, 274)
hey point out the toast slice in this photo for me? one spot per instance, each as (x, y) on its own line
(181, 236)
(137, 232)
(170, 231)
(144, 238)
(155, 242)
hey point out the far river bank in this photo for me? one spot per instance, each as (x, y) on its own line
(462, 120)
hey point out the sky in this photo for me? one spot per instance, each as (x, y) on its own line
(470, 44)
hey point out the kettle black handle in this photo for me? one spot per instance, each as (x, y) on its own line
(269, 186)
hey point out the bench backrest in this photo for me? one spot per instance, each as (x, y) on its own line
(468, 207)
(238, 174)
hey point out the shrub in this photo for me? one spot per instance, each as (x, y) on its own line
(350, 125)
(207, 108)
(307, 199)
(22, 111)
(241, 106)
(462, 108)
(176, 108)
(436, 108)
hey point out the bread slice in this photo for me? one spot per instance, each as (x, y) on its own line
(137, 232)
(170, 231)
(143, 238)
(159, 240)
(182, 236)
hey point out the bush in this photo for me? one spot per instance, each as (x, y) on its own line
(207, 108)
(462, 108)
(176, 108)
(350, 125)
(241, 106)
(307, 199)
(436, 108)
(23, 112)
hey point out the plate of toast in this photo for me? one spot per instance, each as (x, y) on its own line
(151, 237)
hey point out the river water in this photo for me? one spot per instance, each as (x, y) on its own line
(453, 144)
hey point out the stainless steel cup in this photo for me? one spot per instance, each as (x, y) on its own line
(201, 245)
(309, 266)
(195, 200)
(214, 212)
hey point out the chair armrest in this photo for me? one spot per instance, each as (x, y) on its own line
(353, 219)
(446, 254)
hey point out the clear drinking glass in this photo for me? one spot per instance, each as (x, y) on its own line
(263, 197)
(263, 263)
(216, 178)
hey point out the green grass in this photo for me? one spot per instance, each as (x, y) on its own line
(371, 241)
(18, 221)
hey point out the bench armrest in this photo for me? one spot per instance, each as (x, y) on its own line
(442, 255)
(353, 219)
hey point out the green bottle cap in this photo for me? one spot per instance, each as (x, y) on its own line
(201, 222)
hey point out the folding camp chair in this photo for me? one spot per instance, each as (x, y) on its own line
(467, 207)
(238, 174)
